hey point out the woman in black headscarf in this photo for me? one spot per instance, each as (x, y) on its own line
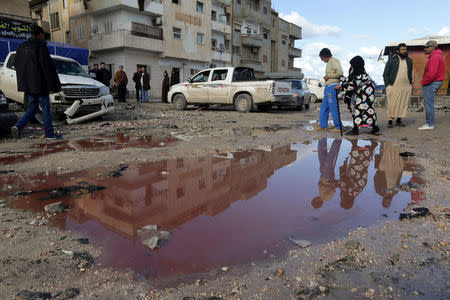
(360, 84)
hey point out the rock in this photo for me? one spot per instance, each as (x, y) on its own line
(83, 260)
(301, 243)
(151, 242)
(2, 203)
(353, 245)
(164, 235)
(369, 294)
(67, 294)
(29, 295)
(225, 269)
(279, 272)
(54, 208)
(83, 241)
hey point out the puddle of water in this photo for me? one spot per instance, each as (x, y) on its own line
(231, 209)
(98, 143)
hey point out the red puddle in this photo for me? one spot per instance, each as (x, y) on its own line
(226, 211)
(98, 143)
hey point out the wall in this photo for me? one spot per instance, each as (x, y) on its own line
(16, 7)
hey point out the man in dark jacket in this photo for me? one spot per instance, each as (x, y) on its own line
(174, 78)
(145, 84)
(137, 82)
(95, 71)
(104, 75)
(37, 77)
(398, 80)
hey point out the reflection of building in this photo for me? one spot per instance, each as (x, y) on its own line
(415, 51)
(174, 192)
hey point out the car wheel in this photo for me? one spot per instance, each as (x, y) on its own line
(307, 106)
(313, 98)
(179, 102)
(243, 103)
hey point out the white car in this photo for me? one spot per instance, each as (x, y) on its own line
(316, 88)
(81, 97)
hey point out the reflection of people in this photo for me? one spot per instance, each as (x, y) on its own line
(165, 87)
(353, 175)
(360, 83)
(398, 80)
(330, 103)
(327, 183)
(432, 79)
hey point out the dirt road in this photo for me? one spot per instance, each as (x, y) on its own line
(379, 259)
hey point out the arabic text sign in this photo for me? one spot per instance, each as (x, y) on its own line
(14, 29)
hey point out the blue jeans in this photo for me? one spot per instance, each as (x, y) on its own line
(328, 159)
(429, 92)
(34, 101)
(329, 105)
(144, 95)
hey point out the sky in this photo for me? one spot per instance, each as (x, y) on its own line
(351, 28)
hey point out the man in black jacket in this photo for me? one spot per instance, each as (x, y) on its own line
(398, 80)
(174, 78)
(104, 75)
(37, 77)
(137, 82)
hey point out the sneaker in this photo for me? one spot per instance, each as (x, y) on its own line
(15, 132)
(334, 130)
(320, 128)
(54, 137)
(426, 127)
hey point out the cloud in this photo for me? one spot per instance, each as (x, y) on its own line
(310, 29)
(444, 31)
(421, 31)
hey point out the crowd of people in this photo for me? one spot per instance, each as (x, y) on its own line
(359, 89)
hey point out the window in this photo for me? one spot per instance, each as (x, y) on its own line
(239, 2)
(213, 15)
(194, 71)
(80, 32)
(200, 38)
(213, 44)
(202, 77)
(283, 63)
(265, 58)
(10, 64)
(219, 75)
(54, 20)
(176, 2)
(227, 45)
(108, 27)
(38, 14)
(265, 10)
(199, 7)
(67, 37)
(266, 36)
(237, 50)
(297, 85)
(64, 3)
(283, 42)
(177, 33)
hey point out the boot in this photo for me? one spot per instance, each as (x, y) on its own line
(400, 123)
(354, 131)
(375, 130)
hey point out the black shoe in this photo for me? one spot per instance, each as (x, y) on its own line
(354, 131)
(400, 123)
(390, 125)
(375, 130)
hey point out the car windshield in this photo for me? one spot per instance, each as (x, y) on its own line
(297, 85)
(69, 68)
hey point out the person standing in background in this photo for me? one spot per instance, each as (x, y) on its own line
(137, 83)
(165, 87)
(121, 81)
(174, 78)
(104, 75)
(145, 82)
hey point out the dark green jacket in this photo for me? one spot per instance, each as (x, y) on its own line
(391, 70)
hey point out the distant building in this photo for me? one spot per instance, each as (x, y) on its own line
(416, 52)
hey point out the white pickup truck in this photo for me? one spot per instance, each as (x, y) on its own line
(230, 86)
(81, 97)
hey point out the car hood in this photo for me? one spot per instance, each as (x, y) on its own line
(81, 80)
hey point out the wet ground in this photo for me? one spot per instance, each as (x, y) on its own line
(226, 209)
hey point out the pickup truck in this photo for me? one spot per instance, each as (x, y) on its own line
(230, 86)
(81, 98)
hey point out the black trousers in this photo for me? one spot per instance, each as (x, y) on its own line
(122, 92)
(138, 90)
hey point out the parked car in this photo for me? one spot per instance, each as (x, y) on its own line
(7, 117)
(316, 88)
(230, 86)
(301, 95)
(81, 97)
(380, 90)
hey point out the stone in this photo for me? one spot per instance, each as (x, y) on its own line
(352, 245)
(67, 294)
(164, 235)
(225, 269)
(279, 272)
(300, 243)
(151, 242)
(29, 295)
(369, 294)
(54, 208)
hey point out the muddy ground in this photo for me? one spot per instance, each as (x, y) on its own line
(393, 259)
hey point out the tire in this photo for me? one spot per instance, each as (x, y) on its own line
(179, 102)
(264, 107)
(243, 103)
(307, 106)
(313, 98)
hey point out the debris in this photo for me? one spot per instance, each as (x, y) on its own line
(67, 294)
(29, 295)
(151, 237)
(151, 242)
(225, 269)
(6, 171)
(119, 171)
(417, 212)
(105, 124)
(83, 260)
(406, 154)
(353, 245)
(279, 272)
(83, 241)
(54, 208)
(301, 243)
(370, 293)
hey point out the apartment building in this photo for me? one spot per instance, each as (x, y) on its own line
(261, 39)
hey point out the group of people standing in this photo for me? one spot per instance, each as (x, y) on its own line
(142, 84)
(359, 89)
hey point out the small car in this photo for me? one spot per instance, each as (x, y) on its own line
(300, 93)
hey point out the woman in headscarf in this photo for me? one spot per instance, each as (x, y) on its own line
(360, 84)
(165, 87)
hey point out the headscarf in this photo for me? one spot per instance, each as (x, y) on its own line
(357, 66)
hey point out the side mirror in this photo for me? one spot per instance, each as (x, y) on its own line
(92, 75)
(189, 80)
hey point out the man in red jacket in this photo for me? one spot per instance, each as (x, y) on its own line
(432, 81)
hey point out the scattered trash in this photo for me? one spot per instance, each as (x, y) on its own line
(130, 107)
(406, 154)
(67, 294)
(353, 245)
(83, 260)
(312, 121)
(6, 171)
(119, 171)
(308, 128)
(105, 124)
(54, 208)
(27, 295)
(225, 269)
(300, 243)
(417, 212)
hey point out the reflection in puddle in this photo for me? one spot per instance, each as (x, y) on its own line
(232, 209)
(98, 143)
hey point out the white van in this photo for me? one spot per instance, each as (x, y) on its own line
(316, 88)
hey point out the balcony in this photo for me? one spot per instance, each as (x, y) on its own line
(295, 32)
(255, 65)
(151, 7)
(221, 55)
(221, 27)
(143, 40)
(295, 52)
(252, 40)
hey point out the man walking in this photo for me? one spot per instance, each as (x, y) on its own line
(121, 81)
(145, 82)
(104, 75)
(432, 81)
(398, 80)
(37, 77)
(329, 103)
(137, 82)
